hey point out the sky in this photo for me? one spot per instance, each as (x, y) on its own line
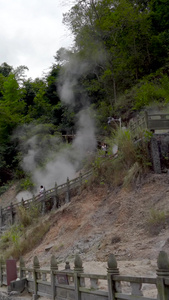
(31, 32)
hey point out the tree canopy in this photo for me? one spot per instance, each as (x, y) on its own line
(118, 65)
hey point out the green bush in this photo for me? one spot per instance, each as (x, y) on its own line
(26, 184)
(4, 188)
(152, 90)
(17, 240)
(125, 167)
(11, 237)
(28, 216)
(156, 221)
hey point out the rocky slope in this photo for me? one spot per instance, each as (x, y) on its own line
(104, 220)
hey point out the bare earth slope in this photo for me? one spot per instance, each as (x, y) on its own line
(101, 221)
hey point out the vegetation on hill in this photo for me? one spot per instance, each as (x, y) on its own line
(125, 169)
(117, 66)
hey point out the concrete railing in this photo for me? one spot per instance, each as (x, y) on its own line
(51, 199)
(150, 122)
(75, 284)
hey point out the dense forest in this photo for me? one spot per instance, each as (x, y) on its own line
(118, 66)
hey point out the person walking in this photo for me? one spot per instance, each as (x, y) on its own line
(41, 190)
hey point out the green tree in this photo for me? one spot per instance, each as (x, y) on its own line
(159, 16)
(40, 109)
(113, 37)
(5, 69)
(11, 114)
(11, 104)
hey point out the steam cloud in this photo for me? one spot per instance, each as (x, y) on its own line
(62, 162)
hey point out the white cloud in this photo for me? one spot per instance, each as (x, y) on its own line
(31, 31)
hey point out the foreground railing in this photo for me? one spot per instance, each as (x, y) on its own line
(75, 284)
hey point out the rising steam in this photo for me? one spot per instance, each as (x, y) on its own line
(45, 157)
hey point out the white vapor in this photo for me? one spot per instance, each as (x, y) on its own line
(57, 160)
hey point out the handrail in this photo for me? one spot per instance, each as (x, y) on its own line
(150, 121)
(49, 192)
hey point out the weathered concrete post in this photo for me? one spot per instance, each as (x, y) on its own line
(22, 202)
(162, 273)
(1, 223)
(1, 270)
(155, 154)
(11, 214)
(21, 268)
(44, 202)
(36, 266)
(53, 267)
(55, 198)
(112, 270)
(80, 183)
(78, 268)
(68, 191)
(67, 266)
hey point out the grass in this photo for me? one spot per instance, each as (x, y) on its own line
(25, 234)
(127, 166)
(156, 222)
(27, 241)
(25, 216)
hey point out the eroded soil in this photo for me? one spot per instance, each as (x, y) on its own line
(103, 220)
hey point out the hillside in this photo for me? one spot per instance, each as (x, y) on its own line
(104, 220)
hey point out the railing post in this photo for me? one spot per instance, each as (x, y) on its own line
(162, 272)
(112, 270)
(1, 217)
(53, 267)
(44, 202)
(36, 266)
(80, 181)
(1, 271)
(155, 155)
(67, 265)
(78, 268)
(68, 191)
(22, 202)
(21, 266)
(12, 214)
(55, 201)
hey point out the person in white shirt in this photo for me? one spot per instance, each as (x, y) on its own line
(41, 190)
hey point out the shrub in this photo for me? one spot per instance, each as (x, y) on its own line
(133, 175)
(156, 221)
(11, 237)
(24, 217)
(26, 184)
(27, 216)
(129, 163)
(116, 239)
(4, 188)
(17, 241)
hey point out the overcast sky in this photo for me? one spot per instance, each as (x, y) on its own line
(31, 31)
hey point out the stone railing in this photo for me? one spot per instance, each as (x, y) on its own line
(51, 199)
(53, 283)
(150, 122)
